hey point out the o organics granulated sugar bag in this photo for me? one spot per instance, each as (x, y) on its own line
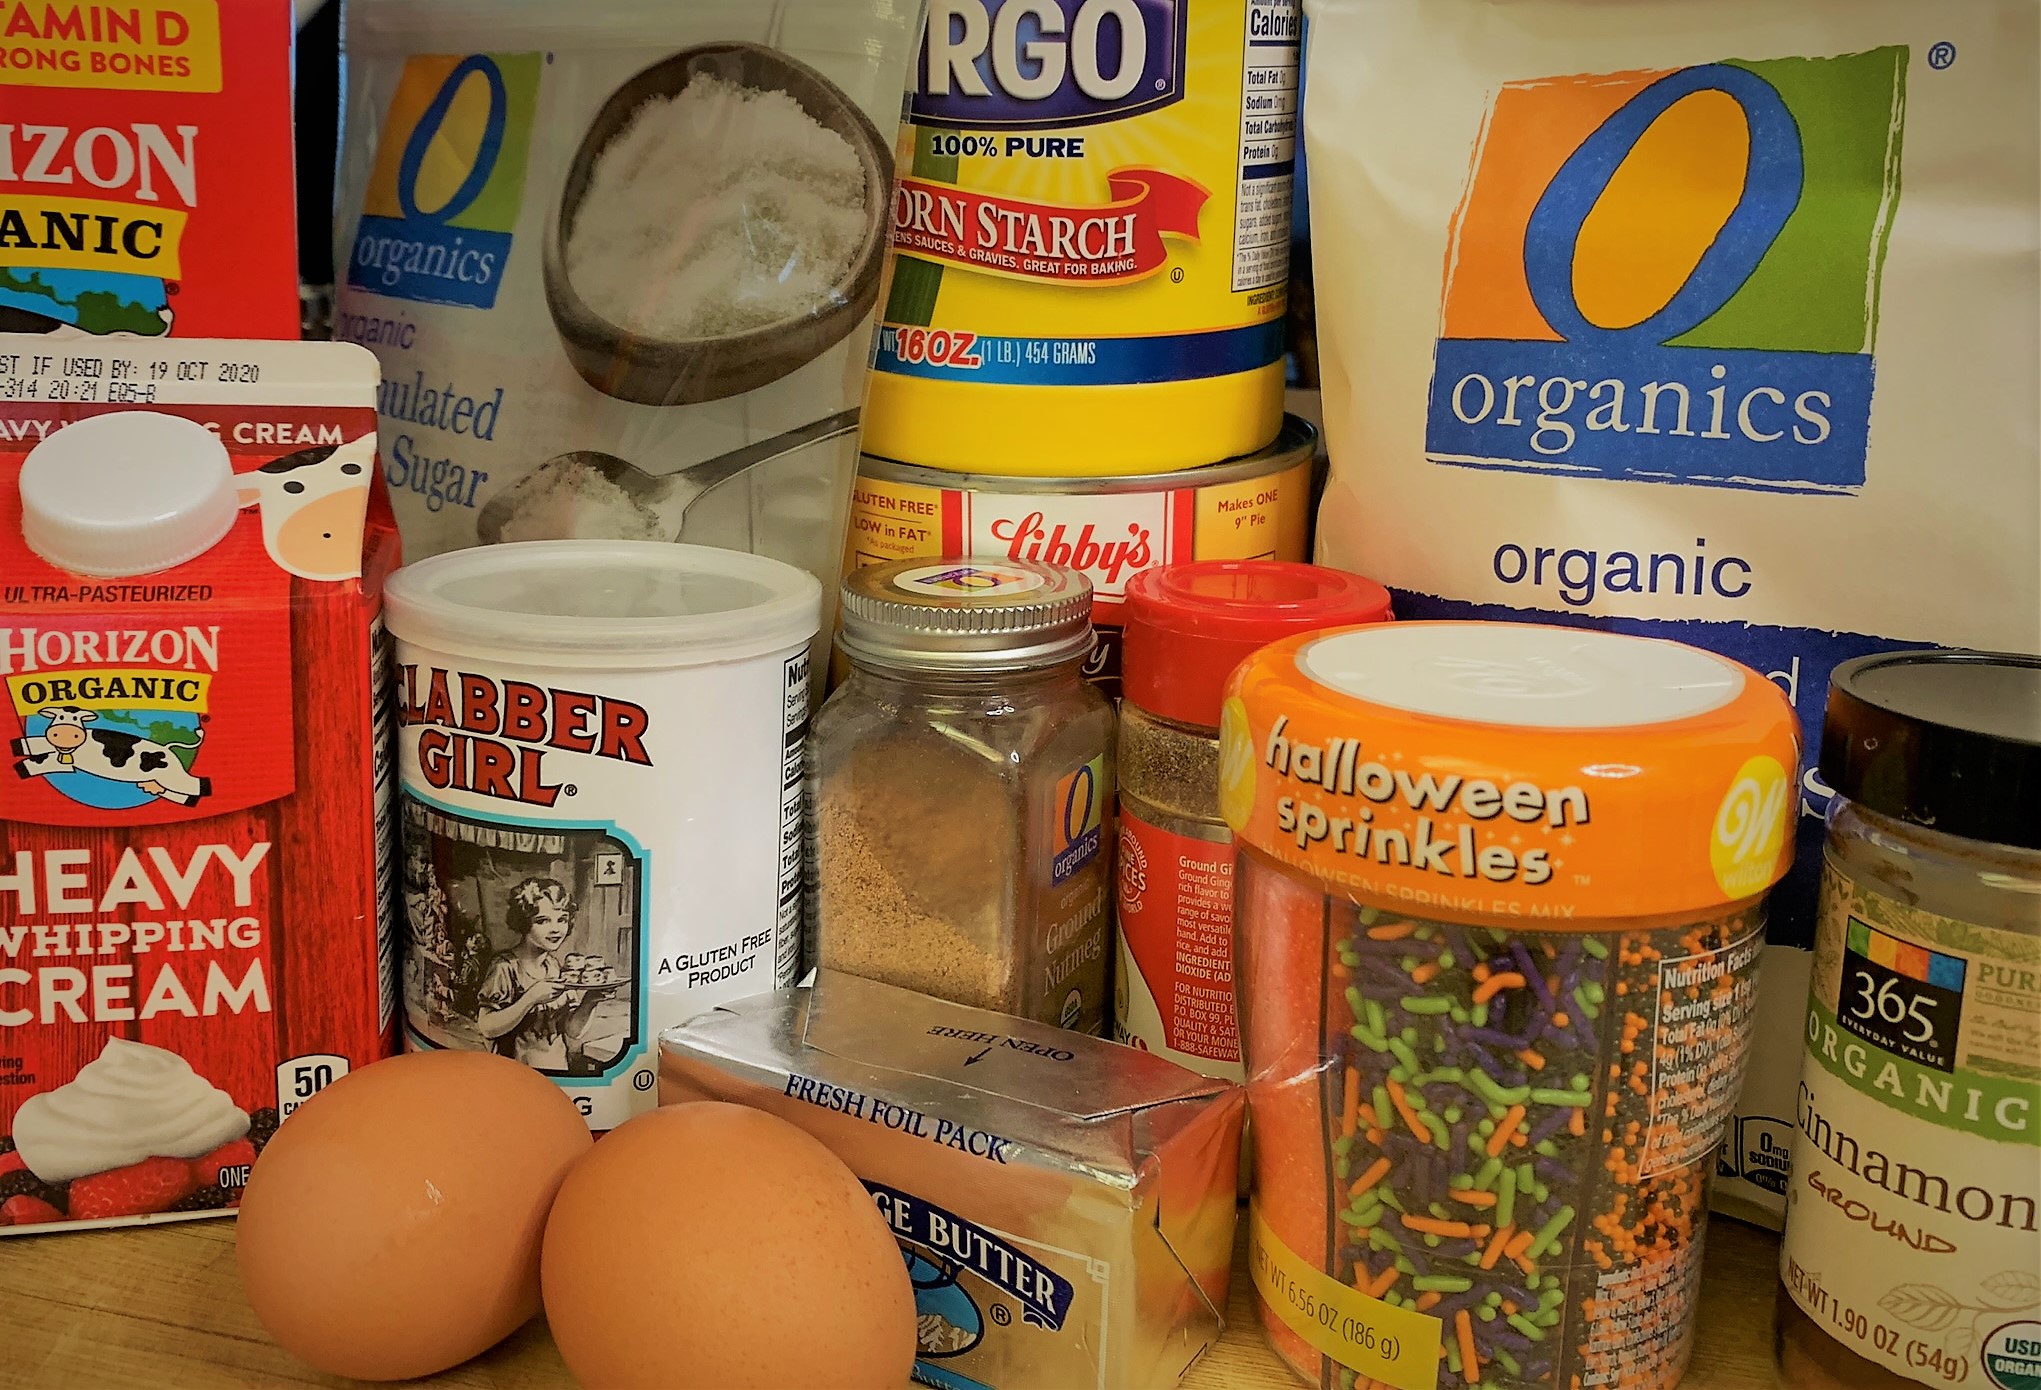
(619, 261)
(1704, 319)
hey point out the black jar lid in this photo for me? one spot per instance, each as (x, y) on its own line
(1946, 740)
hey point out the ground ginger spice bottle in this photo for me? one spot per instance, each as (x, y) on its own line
(1187, 627)
(960, 791)
(1912, 1250)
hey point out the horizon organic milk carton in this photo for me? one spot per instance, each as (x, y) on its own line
(196, 922)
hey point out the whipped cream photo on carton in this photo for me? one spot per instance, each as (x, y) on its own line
(1065, 1205)
(196, 828)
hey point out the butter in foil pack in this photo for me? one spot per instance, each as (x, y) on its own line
(1066, 1205)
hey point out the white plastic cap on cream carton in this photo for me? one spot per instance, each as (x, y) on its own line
(128, 493)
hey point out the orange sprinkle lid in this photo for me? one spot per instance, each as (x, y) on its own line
(1509, 772)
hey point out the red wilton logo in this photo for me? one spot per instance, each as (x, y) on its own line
(1029, 539)
(470, 717)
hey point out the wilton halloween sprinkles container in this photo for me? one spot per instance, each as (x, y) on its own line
(1500, 910)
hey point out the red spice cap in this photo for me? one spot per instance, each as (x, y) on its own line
(1188, 626)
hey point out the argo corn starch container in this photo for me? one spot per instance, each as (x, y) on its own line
(1091, 237)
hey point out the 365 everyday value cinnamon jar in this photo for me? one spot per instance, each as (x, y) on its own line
(1186, 628)
(960, 791)
(1911, 1251)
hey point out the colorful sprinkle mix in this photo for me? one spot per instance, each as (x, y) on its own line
(1518, 1153)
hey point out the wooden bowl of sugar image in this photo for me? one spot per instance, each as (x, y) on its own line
(722, 225)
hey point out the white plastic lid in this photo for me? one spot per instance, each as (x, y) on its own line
(1523, 674)
(612, 604)
(966, 615)
(127, 493)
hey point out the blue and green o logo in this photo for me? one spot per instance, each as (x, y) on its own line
(448, 185)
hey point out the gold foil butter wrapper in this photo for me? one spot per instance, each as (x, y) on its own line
(1066, 1205)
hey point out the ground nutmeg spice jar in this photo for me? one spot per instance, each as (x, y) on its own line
(1501, 893)
(1913, 1252)
(960, 789)
(1186, 628)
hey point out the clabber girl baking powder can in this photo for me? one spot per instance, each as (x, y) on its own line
(1091, 237)
(598, 758)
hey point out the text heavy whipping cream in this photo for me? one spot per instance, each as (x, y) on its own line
(600, 754)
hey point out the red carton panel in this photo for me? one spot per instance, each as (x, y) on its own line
(146, 183)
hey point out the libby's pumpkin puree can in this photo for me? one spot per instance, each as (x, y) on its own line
(1091, 237)
(1254, 508)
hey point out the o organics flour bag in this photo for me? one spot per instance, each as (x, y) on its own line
(1713, 320)
(619, 260)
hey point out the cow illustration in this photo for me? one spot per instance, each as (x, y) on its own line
(68, 746)
(314, 504)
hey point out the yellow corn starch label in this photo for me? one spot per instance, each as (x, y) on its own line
(1394, 1345)
(1095, 193)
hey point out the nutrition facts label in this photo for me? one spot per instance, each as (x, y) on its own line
(787, 929)
(1704, 999)
(383, 786)
(1268, 144)
(1630, 1340)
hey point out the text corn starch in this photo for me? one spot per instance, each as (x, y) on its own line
(1091, 237)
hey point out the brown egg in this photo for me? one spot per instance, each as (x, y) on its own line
(716, 1247)
(392, 1226)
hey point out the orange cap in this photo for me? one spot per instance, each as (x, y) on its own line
(1510, 772)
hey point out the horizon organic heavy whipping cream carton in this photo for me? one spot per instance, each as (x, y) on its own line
(196, 837)
(146, 179)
